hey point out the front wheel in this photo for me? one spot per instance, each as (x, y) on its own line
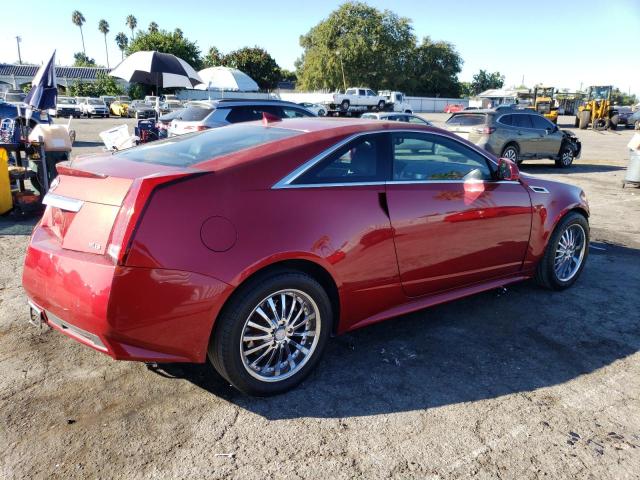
(566, 156)
(272, 333)
(381, 105)
(321, 113)
(511, 152)
(566, 253)
(344, 106)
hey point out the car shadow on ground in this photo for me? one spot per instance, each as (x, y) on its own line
(539, 168)
(502, 342)
(84, 143)
(11, 224)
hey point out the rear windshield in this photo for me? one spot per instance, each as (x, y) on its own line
(194, 114)
(190, 149)
(467, 120)
(95, 101)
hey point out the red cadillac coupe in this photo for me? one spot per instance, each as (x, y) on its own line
(252, 244)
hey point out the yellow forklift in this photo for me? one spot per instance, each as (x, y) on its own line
(597, 110)
(543, 103)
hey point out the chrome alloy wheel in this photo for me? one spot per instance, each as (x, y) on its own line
(510, 153)
(567, 156)
(569, 252)
(280, 335)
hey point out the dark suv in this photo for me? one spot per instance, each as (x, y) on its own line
(201, 115)
(517, 135)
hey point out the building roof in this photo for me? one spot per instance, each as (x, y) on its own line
(82, 73)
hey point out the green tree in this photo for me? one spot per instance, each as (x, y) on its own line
(288, 75)
(466, 90)
(213, 58)
(257, 63)
(166, 42)
(620, 98)
(484, 80)
(78, 20)
(132, 23)
(122, 41)
(433, 70)
(107, 85)
(373, 48)
(153, 27)
(81, 60)
(103, 26)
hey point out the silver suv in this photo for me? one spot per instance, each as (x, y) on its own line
(207, 114)
(517, 135)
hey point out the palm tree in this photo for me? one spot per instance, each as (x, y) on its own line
(153, 27)
(78, 20)
(132, 23)
(103, 26)
(122, 41)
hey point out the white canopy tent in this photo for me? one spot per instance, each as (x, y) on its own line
(225, 78)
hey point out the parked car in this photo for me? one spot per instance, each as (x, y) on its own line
(470, 108)
(453, 107)
(316, 108)
(140, 109)
(217, 113)
(164, 121)
(124, 98)
(634, 120)
(67, 107)
(397, 117)
(150, 100)
(360, 97)
(219, 246)
(93, 107)
(119, 108)
(170, 105)
(624, 115)
(9, 111)
(506, 106)
(168, 98)
(108, 100)
(517, 135)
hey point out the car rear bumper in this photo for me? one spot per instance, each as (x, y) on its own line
(129, 313)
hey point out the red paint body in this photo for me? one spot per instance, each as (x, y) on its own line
(155, 252)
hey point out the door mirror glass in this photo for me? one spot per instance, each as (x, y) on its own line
(508, 170)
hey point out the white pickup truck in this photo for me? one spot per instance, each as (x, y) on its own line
(358, 97)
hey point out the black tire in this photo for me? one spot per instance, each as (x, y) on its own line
(545, 272)
(566, 156)
(381, 105)
(88, 115)
(511, 152)
(321, 113)
(576, 122)
(613, 122)
(344, 106)
(224, 352)
(585, 118)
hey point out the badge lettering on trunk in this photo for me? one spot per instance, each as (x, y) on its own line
(94, 245)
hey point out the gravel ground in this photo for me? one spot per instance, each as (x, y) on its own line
(513, 383)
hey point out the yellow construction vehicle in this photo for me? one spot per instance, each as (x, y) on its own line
(543, 103)
(598, 110)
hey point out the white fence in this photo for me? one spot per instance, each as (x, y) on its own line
(418, 104)
(434, 104)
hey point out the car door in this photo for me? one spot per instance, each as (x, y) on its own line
(548, 143)
(453, 224)
(525, 135)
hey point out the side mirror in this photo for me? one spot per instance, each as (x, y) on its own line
(508, 170)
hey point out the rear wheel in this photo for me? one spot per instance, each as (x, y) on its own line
(344, 106)
(566, 253)
(511, 152)
(566, 156)
(381, 105)
(613, 123)
(585, 118)
(321, 113)
(272, 333)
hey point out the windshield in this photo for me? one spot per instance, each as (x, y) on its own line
(15, 97)
(466, 120)
(194, 148)
(194, 114)
(95, 101)
(600, 93)
(66, 101)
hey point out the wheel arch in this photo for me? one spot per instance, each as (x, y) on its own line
(312, 268)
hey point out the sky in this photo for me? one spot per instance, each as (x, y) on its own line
(563, 43)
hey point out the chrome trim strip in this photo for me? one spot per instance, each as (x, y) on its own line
(393, 182)
(64, 203)
(538, 189)
(286, 181)
(75, 331)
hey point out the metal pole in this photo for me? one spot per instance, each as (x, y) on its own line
(18, 40)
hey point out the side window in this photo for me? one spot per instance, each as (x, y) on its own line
(361, 92)
(521, 120)
(540, 122)
(419, 156)
(417, 120)
(290, 112)
(351, 91)
(248, 113)
(370, 93)
(358, 161)
(506, 120)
